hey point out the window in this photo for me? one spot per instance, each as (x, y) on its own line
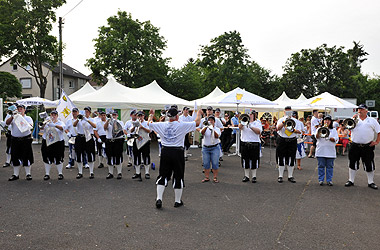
(14, 67)
(62, 83)
(71, 84)
(26, 83)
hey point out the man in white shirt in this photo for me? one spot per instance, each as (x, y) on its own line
(286, 145)
(172, 160)
(55, 151)
(250, 146)
(130, 136)
(22, 152)
(185, 117)
(114, 144)
(363, 146)
(100, 135)
(315, 123)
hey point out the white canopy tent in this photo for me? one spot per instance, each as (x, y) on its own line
(211, 97)
(37, 101)
(327, 100)
(86, 89)
(301, 97)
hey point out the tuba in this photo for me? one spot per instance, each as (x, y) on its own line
(289, 124)
(244, 119)
(323, 132)
(350, 123)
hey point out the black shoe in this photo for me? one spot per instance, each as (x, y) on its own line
(245, 179)
(46, 177)
(321, 183)
(349, 184)
(292, 180)
(28, 177)
(280, 179)
(109, 176)
(13, 178)
(79, 176)
(6, 165)
(119, 176)
(373, 185)
(220, 158)
(147, 176)
(176, 204)
(158, 204)
(101, 165)
(254, 180)
(129, 164)
(330, 184)
(137, 176)
(186, 159)
(92, 176)
(60, 177)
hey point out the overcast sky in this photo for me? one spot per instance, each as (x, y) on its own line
(271, 30)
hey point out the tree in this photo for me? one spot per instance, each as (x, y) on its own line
(25, 28)
(130, 50)
(9, 86)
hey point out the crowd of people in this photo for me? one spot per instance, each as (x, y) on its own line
(104, 136)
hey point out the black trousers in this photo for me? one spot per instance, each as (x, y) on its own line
(172, 163)
(363, 152)
(114, 151)
(22, 152)
(83, 148)
(53, 153)
(286, 151)
(99, 145)
(250, 155)
(225, 139)
(187, 141)
(142, 155)
(9, 143)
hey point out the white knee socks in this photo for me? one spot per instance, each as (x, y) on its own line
(8, 158)
(16, 171)
(281, 171)
(370, 176)
(138, 170)
(80, 167)
(27, 170)
(351, 175)
(110, 169)
(178, 194)
(146, 169)
(246, 172)
(253, 172)
(118, 167)
(290, 171)
(160, 191)
(47, 169)
(91, 165)
(59, 168)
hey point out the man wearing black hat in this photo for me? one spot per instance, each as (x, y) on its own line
(22, 153)
(130, 136)
(185, 117)
(100, 135)
(53, 146)
(363, 146)
(141, 155)
(287, 144)
(172, 160)
(84, 142)
(114, 144)
(250, 146)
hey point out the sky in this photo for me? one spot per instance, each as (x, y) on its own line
(271, 30)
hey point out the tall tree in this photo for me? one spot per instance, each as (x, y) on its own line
(131, 50)
(9, 86)
(25, 28)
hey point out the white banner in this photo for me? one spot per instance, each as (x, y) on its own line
(64, 108)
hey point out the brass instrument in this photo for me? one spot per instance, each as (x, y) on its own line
(350, 123)
(45, 116)
(244, 119)
(323, 132)
(289, 124)
(80, 116)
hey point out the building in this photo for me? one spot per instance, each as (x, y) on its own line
(72, 80)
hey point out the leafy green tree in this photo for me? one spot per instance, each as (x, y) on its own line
(9, 86)
(25, 28)
(131, 50)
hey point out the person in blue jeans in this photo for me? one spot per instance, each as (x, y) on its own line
(325, 151)
(210, 148)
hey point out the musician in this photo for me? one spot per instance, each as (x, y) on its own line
(363, 146)
(142, 155)
(185, 117)
(8, 143)
(130, 135)
(300, 153)
(21, 145)
(286, 145)
(250, 146)
(225, 137)
(325, 151)
(114, 144)
(100, 135)
(315, 123)
(172, 160)
(54, 152)
(84, 142)
(234, 123)
(221, 127)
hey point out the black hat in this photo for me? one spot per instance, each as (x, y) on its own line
(172, 112)
(133, 112)
(288, 107)
(140, 113)
(174, 106)
(87, 108)
(327, 117)
(209, 108)
(187, 108)
(115, 112)
(75, 110)
(211, 117)
(54, 112)
(295, 113)
(362, 106)
(102, 112)
(20, 105)
(217, 110)
(253, 111)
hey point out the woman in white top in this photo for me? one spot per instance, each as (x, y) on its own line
(210, 149)
(325, 152)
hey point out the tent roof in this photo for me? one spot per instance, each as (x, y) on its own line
(241, 96)
(283, 98)
(86, 89)
(327, 100)
(210, 97)
(301, 97)
(37, 101)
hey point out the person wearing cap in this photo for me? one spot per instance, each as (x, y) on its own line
(315, 123)
(221, 127)
(114, 145)
(21, 145)
(326, 152)
(300, 153)
(172, 161)
(210, 149)
(100, 135)
(54, 152)
(250, 146)
(141, 155)
(185, 117)
(286, 145)
(84, 142)
(363, 146)
(225, 137)
(234, 123)
(130, 135)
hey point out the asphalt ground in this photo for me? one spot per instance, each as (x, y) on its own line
(121, 214)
